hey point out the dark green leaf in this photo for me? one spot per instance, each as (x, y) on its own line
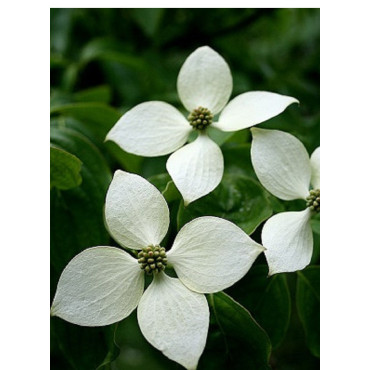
(84, 347)
(109, 50)
(238, 199)
(247, 344)
(77, 214)
(101, 94)
(98, 117)
(76, 224)
(268, 299)
(64, 169)
(308, 306)
(237, 159)
(166, 186)
(127, 161)
(148, 19)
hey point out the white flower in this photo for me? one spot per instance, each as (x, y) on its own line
(204, 86)
(103, 285)
(284, 168)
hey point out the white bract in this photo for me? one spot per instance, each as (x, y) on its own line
(204, 86)
(103, 285)
(284, 168)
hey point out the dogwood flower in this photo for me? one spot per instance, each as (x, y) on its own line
(204, 86)
(103, 285)
(284, 168)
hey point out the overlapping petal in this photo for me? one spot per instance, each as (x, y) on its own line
(281, 163)
(197, 168)
(151, 129)
(210, 254)
(136, 213)
(251, 108)
(288, 240)
(174, 320)
(204, 80)
(315, 168)
(100, 286)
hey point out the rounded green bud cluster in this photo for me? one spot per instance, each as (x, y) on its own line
(313, 200)
(153, 259)
(200, 118)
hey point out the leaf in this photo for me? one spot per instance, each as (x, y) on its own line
(76, 223)
(101, 94)
(237, 158)
(308, 306)
(98, 117)
(127, 161)
(84, 347)
(77, 214)
(166, 186)
(247, 344)
(109, 50)
(148, 19)
(268, 299)
(64, 169)
(238, 199)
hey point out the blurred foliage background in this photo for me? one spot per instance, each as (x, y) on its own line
(105, 61)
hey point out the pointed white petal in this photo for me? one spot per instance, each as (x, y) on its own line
(210, 254)
(281, 163)
(287, 238)
(197, 168)
(135, 211)
(315, 168)
(251, 108)
(204, 80)
(100, 286)
(151, 129)
(174, 320)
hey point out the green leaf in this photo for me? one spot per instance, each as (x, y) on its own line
(77, 223)
(77, 214)
(247, 344)
(109, 50)
(101, 94)
(268, 299)
(84, 347)
(237, 158)
(308, 306)
(64, 169)
(238, 198)
(315, 224)
(166, 186)
(127, 161)
(148, 19)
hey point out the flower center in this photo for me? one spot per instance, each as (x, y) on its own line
(313, 200)
(200, 118)
(153, 259)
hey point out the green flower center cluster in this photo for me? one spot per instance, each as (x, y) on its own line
(200, 118)
(153, 259)
(313, 200)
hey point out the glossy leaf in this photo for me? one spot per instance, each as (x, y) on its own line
(268, 299)
(64, 169)
(238, 199)
(308, 306)
(247, 344)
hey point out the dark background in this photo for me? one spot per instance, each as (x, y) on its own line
(134, 55)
